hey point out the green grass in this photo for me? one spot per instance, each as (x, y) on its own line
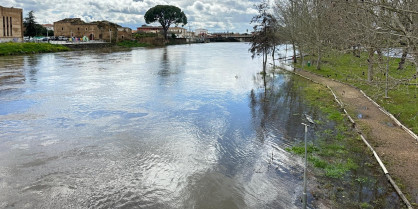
(402, 101)
(338, 157)
(300, 150)
(332, 149)
(129, 44)
(29, 48)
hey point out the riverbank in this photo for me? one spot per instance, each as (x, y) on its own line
(346, 175)
(397, 149)
(29, 48)
(402, 84)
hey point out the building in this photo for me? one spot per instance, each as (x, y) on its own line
(48, 26)
(178, 31)
(11, 24)
(150, 29)
(98, 30)
(201, 32)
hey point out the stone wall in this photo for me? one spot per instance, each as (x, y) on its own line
(76, 30)
(101, 30)
(11, 24)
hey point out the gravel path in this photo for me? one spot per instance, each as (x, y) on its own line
(397, 149)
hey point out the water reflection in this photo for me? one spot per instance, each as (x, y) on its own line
(11, 72)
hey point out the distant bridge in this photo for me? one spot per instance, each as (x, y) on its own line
(230, 37)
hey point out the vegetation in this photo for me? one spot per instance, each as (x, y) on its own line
(30, 25)
(33, 28)
(330, 151)
(402, 96)
(263, 41)
(355, 42)
(145, 35)
(316, 26)
(29, 48)
(339, 160)
(127, 43)
(165, 15)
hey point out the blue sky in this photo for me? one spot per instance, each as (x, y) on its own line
(214, 15)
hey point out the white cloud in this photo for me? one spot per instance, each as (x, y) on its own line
(214, 15)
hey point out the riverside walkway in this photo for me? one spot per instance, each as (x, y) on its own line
(397, 148)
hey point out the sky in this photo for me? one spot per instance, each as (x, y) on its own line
(214, 15)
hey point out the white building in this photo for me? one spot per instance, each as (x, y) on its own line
(201, 32)
(49, 26)
(178, 31)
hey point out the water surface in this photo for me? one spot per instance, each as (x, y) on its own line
(184, 126)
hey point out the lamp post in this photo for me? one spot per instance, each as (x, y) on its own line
(305, 196)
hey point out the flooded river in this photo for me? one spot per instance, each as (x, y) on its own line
(176, 127)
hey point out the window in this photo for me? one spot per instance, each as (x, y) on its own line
(11, 27)
(4, 27)
(62, 28)
(78, 29)
(86, 29)
(7, 25)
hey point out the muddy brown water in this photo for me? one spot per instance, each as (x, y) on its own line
(184, 126)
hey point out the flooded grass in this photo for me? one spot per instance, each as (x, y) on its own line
(349, 176)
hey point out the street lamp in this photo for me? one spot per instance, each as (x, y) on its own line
(305, 199)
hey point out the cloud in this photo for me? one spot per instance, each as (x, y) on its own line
(214, 15)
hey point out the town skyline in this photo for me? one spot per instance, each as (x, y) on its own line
(216, 16)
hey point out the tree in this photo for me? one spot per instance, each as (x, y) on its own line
(165, 15)
(30, 25)
(264, 37)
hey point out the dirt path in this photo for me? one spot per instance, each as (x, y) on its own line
(397, 149)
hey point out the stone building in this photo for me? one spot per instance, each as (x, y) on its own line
(178, 31)
(11, 24)
(150, 29)
(98, 30)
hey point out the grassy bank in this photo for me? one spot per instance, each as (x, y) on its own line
(349, 177)
(333, 146)
(29, 48)
(402, 101)
(129, 44)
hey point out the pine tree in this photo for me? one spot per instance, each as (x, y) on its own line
(30, 25)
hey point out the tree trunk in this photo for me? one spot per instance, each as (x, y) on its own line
(265, 71)
(294, 52)
(370, 68)
(165, 35)
(403, 58)
(301, 56)
(265, 61)
(272, 56)
(318, 62)
(379, 52)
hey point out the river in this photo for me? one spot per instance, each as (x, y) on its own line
(183, 126)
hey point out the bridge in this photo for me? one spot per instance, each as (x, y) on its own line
(229, 37)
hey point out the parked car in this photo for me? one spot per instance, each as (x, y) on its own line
(62, 38)
(28, 39)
